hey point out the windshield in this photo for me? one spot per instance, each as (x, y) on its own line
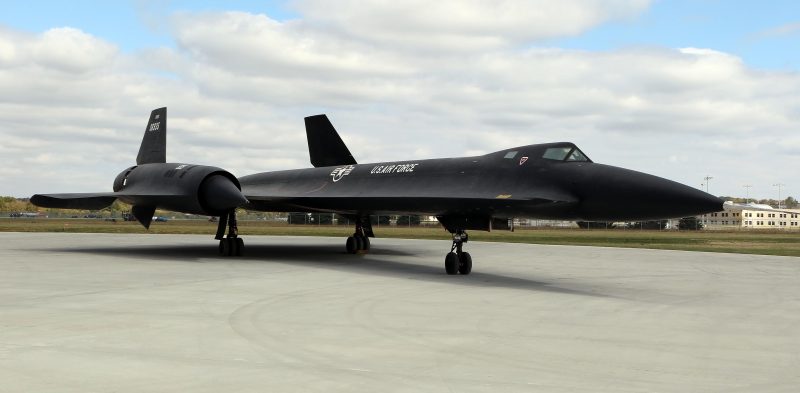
(556, 153)
(565, 153)
(577, 155)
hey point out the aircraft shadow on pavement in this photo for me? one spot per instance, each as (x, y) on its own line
(379, 261)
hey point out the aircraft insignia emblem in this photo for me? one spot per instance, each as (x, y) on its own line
(341, 172)
(522, 160)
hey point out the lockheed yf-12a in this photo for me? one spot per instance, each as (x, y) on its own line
(545, 181)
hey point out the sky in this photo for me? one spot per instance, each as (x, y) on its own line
(679, 89)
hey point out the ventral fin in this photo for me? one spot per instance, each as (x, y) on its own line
(144, 214)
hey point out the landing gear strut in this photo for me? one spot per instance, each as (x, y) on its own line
(359, 242)
(232, 244)
(458, 261)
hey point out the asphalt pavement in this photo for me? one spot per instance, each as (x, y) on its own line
(147, 313)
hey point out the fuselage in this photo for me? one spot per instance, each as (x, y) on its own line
(548, 181)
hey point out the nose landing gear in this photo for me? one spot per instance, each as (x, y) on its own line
(458, 261)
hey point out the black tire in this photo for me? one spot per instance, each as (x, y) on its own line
(465, 263)
(350, 245)
(225, 247)
(239, 247)
(366, 244)
(359, 241)
(451, 263)
(231, 246)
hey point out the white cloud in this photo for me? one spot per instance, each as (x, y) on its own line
(464, 24)
(238, 86)
(71, 50)
(779, 31)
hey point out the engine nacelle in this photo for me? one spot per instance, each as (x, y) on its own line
(186, 188)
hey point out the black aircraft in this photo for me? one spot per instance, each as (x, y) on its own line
(546, 181)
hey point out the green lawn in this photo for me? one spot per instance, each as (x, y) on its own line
(746, 242)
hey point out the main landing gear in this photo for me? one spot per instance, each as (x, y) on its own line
(359, 242)
(458, 261)
(231, 245)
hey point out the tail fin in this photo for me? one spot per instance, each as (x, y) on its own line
(324, 144)
(154, 142)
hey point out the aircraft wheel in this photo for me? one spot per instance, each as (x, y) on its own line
(225, 247)
(359, 242)
(350, 245)
(231, 247)
(239, 246)
(362, 243)
(451, 263)
(465, 263)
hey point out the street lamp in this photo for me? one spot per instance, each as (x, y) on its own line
(748, 187)
(705, 216)
(707, 178)
(779, 185)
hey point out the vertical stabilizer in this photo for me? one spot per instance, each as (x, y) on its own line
(325, 146)
(154, 142)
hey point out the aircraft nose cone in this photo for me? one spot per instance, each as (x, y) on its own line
(629, 195)
(219, 194)
(681, 200)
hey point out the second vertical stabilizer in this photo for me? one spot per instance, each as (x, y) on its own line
(154, 142)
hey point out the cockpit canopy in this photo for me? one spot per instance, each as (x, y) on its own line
(561, 151)
(565, 153)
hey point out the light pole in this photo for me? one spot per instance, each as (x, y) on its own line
(779, 185)
(707, 178)
(748, 187)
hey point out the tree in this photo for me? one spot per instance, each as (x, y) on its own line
(790, 203)
(5, 201)
(118, 206)
(690, 224)
(735, 199)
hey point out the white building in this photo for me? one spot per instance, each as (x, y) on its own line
(752, 215)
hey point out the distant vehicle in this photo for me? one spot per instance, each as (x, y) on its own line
(24, 214)
(160, 219)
